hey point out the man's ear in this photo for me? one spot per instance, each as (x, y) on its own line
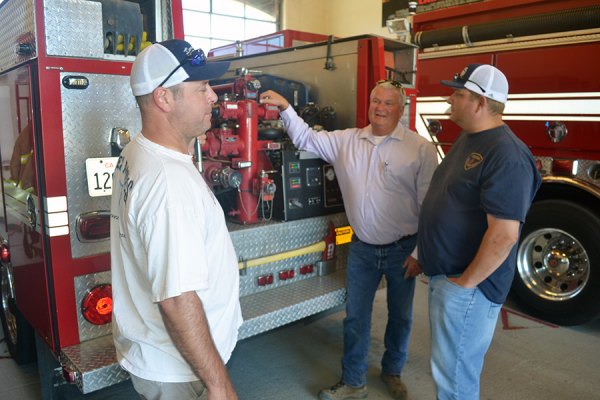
(482, 102)
(163, 98)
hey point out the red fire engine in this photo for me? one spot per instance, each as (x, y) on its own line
(550, 52)
(67, 112)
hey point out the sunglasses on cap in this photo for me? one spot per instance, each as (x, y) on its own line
(458, 79)
(392, 82)
(196, 58)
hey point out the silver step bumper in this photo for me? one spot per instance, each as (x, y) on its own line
(92, 365)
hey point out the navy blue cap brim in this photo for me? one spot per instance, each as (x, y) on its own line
(206, 72)
(453, 84)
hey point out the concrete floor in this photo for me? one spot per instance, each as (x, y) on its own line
(528, 359)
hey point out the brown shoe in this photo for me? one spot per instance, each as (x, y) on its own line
(341, 391)
(395, 385)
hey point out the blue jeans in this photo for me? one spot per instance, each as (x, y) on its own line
(462, 325)
(366, 265)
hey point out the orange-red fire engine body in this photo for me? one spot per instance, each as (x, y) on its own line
(550, 52)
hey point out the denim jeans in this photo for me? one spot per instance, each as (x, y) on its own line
(462, 325)
(366, 265)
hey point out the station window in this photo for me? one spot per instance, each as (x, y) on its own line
(212, 23)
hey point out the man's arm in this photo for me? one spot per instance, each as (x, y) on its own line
(324, 144)
(186, 323)
(498, 240)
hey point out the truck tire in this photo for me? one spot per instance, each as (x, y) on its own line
(18, 333)
(558, 263)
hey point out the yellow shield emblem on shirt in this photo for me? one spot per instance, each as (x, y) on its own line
(473, 160)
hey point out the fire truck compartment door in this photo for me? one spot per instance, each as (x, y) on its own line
(89, 116)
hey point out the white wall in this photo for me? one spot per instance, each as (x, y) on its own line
(341, 18)
(357, 17)
(307, 15)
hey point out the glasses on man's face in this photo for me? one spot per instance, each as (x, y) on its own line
(196, 58)
(457, 79)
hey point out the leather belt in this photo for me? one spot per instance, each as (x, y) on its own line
(383, 246)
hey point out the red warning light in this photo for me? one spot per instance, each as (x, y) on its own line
(104, 306)
(4, 253)
(93, 226)
(97, 305)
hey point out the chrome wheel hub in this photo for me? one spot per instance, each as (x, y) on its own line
(553, 264)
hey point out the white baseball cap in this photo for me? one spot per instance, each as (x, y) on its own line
(169, 63)
(483, 79)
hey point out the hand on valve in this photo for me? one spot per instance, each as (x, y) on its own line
(271, 97)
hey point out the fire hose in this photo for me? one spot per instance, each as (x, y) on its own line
(561, 21)
(325, 246)
(318, 247)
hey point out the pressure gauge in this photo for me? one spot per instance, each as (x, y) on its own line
(330, 174)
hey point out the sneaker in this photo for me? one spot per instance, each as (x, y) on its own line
(341, 391)
(395, 385)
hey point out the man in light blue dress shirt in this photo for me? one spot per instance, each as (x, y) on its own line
(383, 170)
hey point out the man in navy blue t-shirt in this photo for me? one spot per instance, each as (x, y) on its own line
(469, 225)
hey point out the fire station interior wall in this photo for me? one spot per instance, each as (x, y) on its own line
(342, 18)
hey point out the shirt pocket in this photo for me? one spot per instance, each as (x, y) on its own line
(397, 176)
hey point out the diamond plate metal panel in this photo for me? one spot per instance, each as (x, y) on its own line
(248, 282)
(285, 301)
(83, 284)
(276, 237)
(73, 28)
(94, 363)
(585, 171)
(17, 26)
(268, 310)
(89, 115)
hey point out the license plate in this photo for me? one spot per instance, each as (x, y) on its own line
(99, 175)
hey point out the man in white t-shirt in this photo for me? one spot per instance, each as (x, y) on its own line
(174, 269)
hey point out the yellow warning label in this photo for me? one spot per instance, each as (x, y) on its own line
(343, 235)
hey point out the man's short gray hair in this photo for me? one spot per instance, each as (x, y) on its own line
(394, 85)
